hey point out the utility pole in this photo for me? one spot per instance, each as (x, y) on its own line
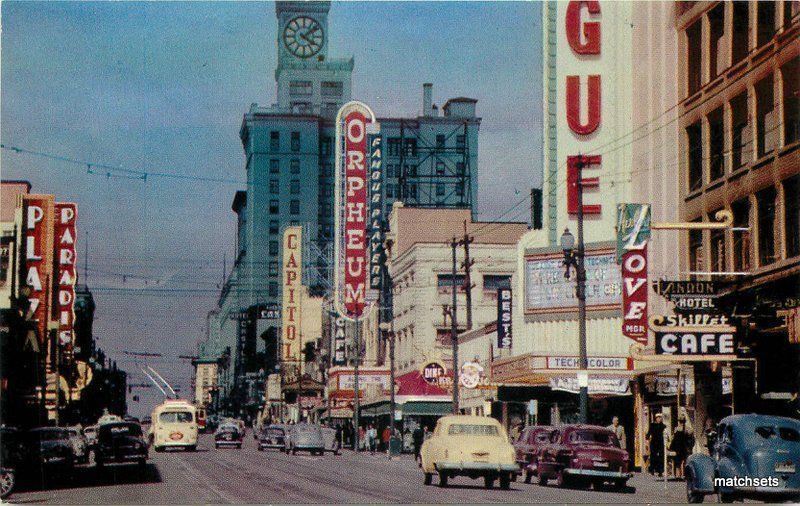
(581, 293)
(355, 383)
(454, 329)
(467, 264)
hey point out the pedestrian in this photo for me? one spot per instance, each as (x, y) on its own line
(711, 435)
(372, 437)
(416, 439)
(680, 446)
(362, 438)
(655, 436)
(339, 437)
(387, 438)
(618, 431)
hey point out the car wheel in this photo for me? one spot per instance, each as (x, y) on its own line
(428, 479)
(99, 462)
(260, 449)
(7, 482)
(239, 446)
(294, 451)
(142, 464)
(191, 448)
(541, 479)
(488, 481)
(692, 497)
(619, 484)
(562, 480)
(528, 476)
(442, 479)
(505, 481)
(725, 498)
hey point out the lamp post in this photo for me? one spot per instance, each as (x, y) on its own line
(575, 258)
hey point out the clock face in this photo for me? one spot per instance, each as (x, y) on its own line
(303, 36)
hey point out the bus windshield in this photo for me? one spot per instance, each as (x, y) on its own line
(175, 417)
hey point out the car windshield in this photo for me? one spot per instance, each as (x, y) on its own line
(785, 433)
(594, 437)
(175, 417)
(128, 429)
(50, 435)
(228, 428)
(461, 429)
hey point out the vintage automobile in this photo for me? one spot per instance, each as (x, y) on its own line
(527, 448)
(749, 446)
(90, 433)
(120, 442)
(332, 443)
(305, 437)
(583, 454)
(48, 451)
(12, 454)
(272, 437)
(471, 446)
(79, 445)
(228, 434)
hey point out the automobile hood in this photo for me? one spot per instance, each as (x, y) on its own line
(604, 452)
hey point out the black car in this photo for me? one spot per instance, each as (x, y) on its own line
(11, 455)
(48, 450)
(272, 437)
(228, 435)
(120, 442)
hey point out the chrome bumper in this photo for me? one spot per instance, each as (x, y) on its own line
(477, 466)
(592, 473)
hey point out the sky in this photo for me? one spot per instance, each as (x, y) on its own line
(161, 87)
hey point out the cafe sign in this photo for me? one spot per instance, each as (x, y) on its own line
(695, 334)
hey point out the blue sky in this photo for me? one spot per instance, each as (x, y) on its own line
(162, 87)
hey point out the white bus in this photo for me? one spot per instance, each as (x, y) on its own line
(174, 424)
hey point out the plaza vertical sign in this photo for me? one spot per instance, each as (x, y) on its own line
(633, 233)
(38, 234)
(66, 215)
(375, 211)
(504, 329)
(292, 279)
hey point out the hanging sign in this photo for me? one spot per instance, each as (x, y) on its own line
(633, 232)
(504, 329)
(339, 344)
(694, 334)
(471, 375)
(375, 211)
(292, 278)
(435, 373)
(633, 228)
(38, 231)
(66, 215)
(689, 295)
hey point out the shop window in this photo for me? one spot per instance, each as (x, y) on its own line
(274, 141)
(791, 205)
(766, 226)
(716, 50)
(766, 22)
(274, 166)
(766, 117)
(716, 146)
(693, 55)
(790, 74)
(740, 132)
(493, 282)
(741, 238)
(741, 31)
(694, 139)
(295, 142)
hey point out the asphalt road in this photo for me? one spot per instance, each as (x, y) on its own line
(229, 475)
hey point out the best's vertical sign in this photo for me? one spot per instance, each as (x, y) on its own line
(38, 233)
(292, 279)
(66, 215)
(504, 329)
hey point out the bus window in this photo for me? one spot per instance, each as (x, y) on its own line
(175, 417)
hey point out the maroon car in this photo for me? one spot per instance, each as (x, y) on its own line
(527, 448)
(581, 454)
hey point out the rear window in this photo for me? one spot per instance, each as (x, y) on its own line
(175, 417)
(785, 433)
(122, 430)
(595, 437)
(460, 429)
(50, 435)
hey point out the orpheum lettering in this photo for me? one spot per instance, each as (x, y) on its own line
(355, 202)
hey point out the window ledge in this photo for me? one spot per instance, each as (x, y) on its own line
(741, 171)
(714, 83)
(736, 67)
(693, 195)
(693, 97)
(789, 147)
(764, 160)
(715, 184)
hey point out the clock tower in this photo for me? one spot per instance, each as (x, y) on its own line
(309, 82)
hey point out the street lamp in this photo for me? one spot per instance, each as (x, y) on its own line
(574, 258)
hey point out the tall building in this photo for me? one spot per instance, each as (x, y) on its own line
(431, 161)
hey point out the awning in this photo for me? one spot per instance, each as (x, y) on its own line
(427, 408)
(380, 408)
(412, 383)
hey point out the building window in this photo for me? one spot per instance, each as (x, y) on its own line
(716, 23)
(273, 247)
(693, 55)
(766, 226)
(389, 191)
(412, 191)
(791, 9)
(440, 191)
(273, 289)
(716, 147)
(295, 141)
(790, 74)
(301, 107)
(329, 109)
(440, 138)
(274, 141)
(294, 166)
(791, 206)
(740, 131)
(332, 88)
(741, 238)
(325, 144)
(411, 147)
(766, 117)
(274, 227)
(696, 250)
(412, 170)
(766, 22)
(460, 189)
(440, 168)
(274, 207)
(294, 186)
(301, 88)
(294, 207)
(741, 31)
(717, 251)
(493, 282)
(274, 185)
(444, 282)
(461, 143)
(460, 169)
(393, 146)
(274, 166)
(694, 138)
(273, 268)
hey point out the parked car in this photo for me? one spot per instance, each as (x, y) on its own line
(11, 455)
(120, 442)
(272, 437)
(753, 446)
(79, 446)
(472, 446)
(527, 448)
(146, 420)
(48, 450)
(90, 433)
(228, 434)
(580, 454)
(332, 443)
(305, 437)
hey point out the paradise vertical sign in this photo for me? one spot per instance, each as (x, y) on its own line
(66, 215)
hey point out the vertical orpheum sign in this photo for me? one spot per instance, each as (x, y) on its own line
(584, 39)
(351, 209)
(292, 278)
(633, 233)
(66, 215)
(37, 231)
(375, 211)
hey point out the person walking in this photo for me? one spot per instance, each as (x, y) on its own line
(362, 438)
(372, 436)
(618, 431)
(386, 437)
(416, 439)
(680, 446)
(655, 436)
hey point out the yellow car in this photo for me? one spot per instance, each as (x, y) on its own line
(473, 446)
